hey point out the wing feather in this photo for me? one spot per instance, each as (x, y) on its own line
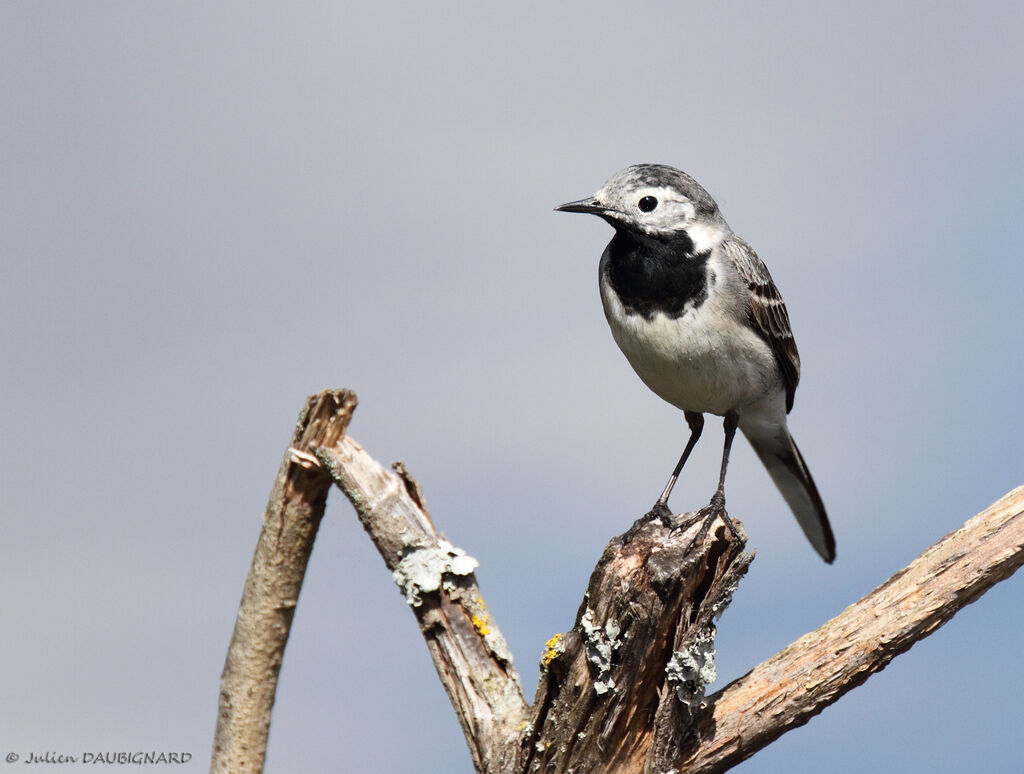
(767, 313)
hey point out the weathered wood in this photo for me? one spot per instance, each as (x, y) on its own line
(469, 652)
(290, 522)
(790, 688)
(622, 690)
(606, 701)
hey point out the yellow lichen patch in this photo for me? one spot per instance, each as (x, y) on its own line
(480, 624)
(550, 650)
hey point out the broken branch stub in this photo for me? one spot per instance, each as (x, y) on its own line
(290, 523)
(623, 690)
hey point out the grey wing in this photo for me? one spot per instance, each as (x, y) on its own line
(767, 313)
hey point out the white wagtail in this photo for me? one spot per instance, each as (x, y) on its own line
(697, 315)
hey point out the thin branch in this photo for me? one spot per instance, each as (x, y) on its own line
(791, 687)
(471, 656)
(249, 680)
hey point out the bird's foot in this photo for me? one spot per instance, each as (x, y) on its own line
(716, 509)
(706, 517)
(660, 511)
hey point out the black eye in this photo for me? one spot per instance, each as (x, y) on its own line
(647, 204)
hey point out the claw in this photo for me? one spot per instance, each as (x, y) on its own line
(659, 512)
(717, 508)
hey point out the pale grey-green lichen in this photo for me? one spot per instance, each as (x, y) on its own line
(425, 569)
(600, 644)
(719, 607)
(690, 670)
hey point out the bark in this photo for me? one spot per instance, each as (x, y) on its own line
(790, 688)
(622, 690)
(290, 522)
(469, 652)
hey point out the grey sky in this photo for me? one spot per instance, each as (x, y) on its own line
(209, 211)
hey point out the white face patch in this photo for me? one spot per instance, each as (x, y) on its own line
(705, 237)
(660, 211)
(656, 210)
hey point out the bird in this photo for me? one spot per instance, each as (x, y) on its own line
(699, 318)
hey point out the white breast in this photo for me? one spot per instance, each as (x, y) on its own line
(708, 359)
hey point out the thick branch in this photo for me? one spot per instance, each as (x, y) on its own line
(249, 680)
(790, 688)
(622, 691)
(470, 654)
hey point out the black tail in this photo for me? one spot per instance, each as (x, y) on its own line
(788, 470)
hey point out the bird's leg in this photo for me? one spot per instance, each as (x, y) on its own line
(660, 509)
(731, 421)
(717, 505)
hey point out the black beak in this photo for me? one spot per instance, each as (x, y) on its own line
(590, 204)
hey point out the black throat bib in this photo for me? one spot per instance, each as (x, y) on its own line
(654, 275)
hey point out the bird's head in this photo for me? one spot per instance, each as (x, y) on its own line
(657, 201)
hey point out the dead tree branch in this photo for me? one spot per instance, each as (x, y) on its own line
(623, 690)
(290, 522)
(437, 579)
(790, 688)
